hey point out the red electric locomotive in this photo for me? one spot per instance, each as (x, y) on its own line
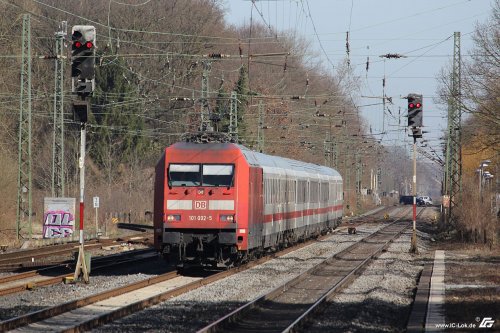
(221, 204)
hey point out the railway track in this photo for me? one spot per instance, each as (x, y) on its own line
(120, 302)
(56, 254)
(291, 306)
(56, 274)
(38, 257)
(97, 310)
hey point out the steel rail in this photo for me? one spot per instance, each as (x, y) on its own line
(72, 305)
(134, 307)
(140, 305)
(24, 258)
(98, 263)
(236, 315)
(319, 305)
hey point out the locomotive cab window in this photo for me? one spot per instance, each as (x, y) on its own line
(184, 175)
(218, 175)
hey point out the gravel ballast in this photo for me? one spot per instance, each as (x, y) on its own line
(385, 290)
(40, 298)
(194, 310)
(380, 299)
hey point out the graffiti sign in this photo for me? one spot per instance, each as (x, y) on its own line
(58, 217)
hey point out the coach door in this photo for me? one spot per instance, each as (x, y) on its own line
(255, 208)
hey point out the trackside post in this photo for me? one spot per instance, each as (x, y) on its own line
(83, 78)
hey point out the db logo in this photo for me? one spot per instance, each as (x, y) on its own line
(200, 205)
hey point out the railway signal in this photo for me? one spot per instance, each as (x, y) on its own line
(83, 59)
(83, 83)
(414, 110)
(415, 124)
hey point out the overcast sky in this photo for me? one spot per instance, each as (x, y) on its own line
(421, 30)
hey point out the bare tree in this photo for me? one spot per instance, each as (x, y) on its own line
(480, 85)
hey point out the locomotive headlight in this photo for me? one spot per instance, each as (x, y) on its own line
(173, 217)
(227, 218)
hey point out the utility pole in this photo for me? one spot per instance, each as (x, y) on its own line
(329, 153)
(379, 180)
(233, 117)
(260, 128)
(348, 178)
(328, 147)
(347, 168)
(372, 181)
(205, 110)
(336, 159)
(384, 97)
(332, 146)
(453, 179)
(24, 182)
(359, 173)
(326, 152)
(58, 178)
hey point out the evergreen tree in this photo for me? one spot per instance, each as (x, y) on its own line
(116, 123)
(242, 91)
(242, 86)
(222, 110)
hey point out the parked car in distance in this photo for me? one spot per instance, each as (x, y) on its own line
(424, 201)
(406, 199)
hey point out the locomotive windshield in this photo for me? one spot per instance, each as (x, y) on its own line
(217, 175)
(190, 175)
(184, 175)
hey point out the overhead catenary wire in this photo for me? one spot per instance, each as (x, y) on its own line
(192, 89)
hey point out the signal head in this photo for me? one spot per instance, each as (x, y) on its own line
(414, 110)
(83, 59)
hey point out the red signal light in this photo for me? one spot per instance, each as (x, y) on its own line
(78, 45)
(418, 105)
(89, 45)
(411, 105)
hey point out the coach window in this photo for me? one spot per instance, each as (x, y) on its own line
(314, 192)
(275, 191)
(324, 192)
(218, 175)
(267, 191)
(184, 175)
(307, 192)
(301, 192)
